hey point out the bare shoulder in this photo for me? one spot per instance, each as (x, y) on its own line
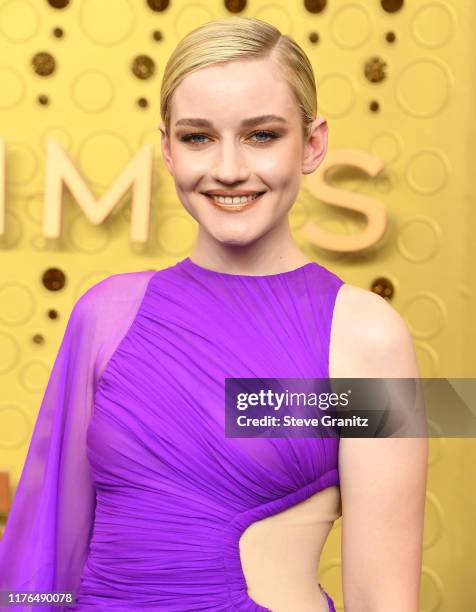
(369, 337)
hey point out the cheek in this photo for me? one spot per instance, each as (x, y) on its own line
(281, 165)
(188, 169)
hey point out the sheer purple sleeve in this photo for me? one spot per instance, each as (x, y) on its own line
(47, 534)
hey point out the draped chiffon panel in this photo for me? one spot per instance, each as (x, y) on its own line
(46, 537)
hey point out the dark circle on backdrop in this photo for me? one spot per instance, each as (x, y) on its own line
(235, 6)
(315, 6)
(53, 279)
(384, 287)
(390, 37)
(143, 67)
(158, 5)
(391, 6)
(374, 69)
(374, 106)
(58, 4)
(43, 63)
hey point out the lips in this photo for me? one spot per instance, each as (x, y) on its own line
(225, 194)
(234, 207)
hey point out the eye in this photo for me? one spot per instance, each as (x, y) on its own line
(188, 138)
(271, 135)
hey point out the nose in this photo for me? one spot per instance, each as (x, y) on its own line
(230, 164)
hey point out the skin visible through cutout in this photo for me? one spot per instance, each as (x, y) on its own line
(280, 554)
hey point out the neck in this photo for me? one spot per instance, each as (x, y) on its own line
(272, 253)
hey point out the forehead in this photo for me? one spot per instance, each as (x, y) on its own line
(227, 93)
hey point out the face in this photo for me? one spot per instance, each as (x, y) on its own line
(216, 146)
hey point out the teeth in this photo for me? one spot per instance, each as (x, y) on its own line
(235, 199)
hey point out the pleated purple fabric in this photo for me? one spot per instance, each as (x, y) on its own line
(131, 495)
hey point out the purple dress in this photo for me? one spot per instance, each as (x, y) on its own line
(131, 495)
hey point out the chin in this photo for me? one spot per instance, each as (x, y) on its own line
(234, 236)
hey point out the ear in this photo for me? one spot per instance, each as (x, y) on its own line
(165, 146)
(315, 148)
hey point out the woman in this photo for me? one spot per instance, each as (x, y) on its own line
(131, 495)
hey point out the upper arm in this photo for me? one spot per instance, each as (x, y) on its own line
(383, 480)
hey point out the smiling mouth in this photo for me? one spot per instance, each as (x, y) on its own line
(234, 203)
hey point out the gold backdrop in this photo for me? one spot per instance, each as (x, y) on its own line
(395, 81)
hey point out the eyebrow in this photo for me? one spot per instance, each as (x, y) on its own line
(251, 122)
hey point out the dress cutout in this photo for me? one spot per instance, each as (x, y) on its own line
(131, 495)
(280, 554)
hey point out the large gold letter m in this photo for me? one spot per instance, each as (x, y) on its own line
(60, 170)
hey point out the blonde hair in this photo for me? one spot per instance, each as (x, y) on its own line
(238, 38)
